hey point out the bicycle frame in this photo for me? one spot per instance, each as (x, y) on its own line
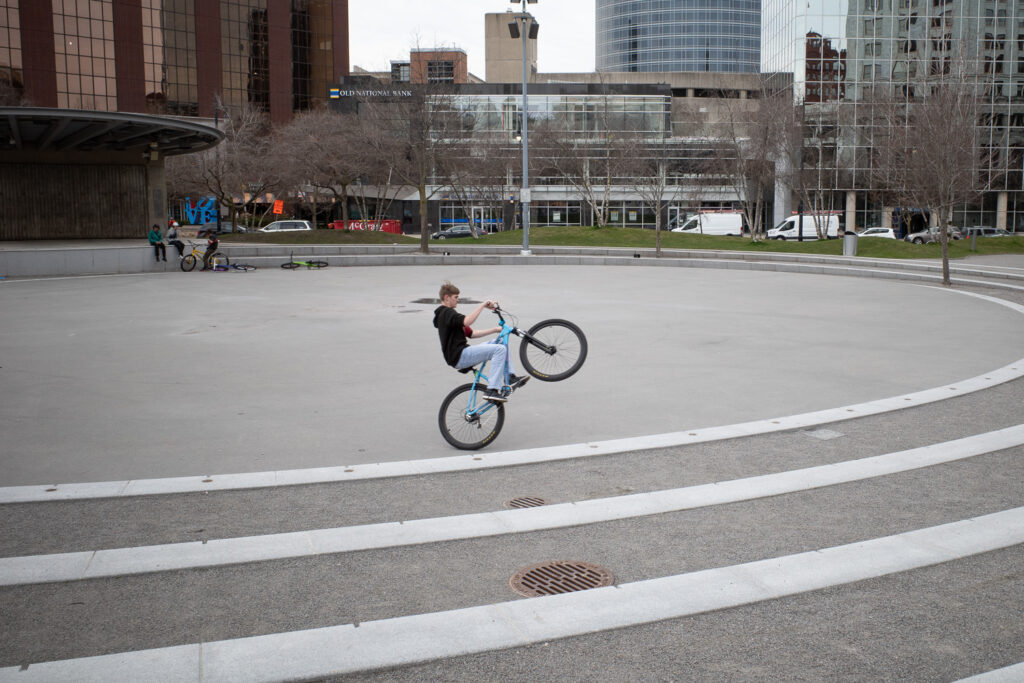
(480, 379)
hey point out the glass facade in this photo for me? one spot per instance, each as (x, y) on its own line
(838, 54)
(722, 36)
(83, 41)
(312, 67)
(245, 53)
(169, 54)
(10, 45)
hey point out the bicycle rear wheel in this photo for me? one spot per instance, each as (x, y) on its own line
(553, 350)
(221, 258)
(188, 263)
(243, 267)
(316, 264)
(467, 421)
(291, 265)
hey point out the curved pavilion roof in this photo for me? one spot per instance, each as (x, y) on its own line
(73, 130)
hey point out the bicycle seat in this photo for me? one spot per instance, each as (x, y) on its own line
(471, 368)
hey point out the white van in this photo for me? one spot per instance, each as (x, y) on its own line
(789, 229)
(711, 224)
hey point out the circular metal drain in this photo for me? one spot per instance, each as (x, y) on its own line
(526, 502)
(552, 578)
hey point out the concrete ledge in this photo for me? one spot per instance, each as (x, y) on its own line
(115, 258)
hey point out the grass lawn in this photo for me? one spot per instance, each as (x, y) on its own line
(635, 238)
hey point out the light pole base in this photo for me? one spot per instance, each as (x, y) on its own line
(525, 252)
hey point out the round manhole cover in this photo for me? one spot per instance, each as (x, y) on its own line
(552, 578)
(526, 502)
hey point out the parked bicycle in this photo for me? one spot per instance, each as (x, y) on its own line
(293, 264)
(552, 350)
(195, 255)
(222, 267)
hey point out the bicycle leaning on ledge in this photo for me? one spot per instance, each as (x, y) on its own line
(552, 350)
(195, 255)
(293, 264)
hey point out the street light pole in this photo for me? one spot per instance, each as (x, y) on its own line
(524, 195)
(527, 31)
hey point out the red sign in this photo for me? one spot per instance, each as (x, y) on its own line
(279, 206)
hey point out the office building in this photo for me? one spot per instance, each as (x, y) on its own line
(840, 55)
(679, 35)
(176, 57)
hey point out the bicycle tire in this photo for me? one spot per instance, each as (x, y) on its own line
(244, 267)
(568, 342)
(466, 432)
(291, 265)
(316, 264)
(188, 263)
(222, 257)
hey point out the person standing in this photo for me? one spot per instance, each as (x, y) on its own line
(157, 241)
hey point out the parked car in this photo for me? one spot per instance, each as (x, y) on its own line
(287, 226)
(452, 232)
(931, 235)
(888, 233)
(985, 231)
(789, 229)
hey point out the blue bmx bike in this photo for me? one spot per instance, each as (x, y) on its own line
(552, 350)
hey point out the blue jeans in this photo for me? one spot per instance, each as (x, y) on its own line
(493, 351)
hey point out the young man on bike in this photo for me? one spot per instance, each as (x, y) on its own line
(453, 329)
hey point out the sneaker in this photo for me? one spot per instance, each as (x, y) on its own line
(516, 382)
(494, 396)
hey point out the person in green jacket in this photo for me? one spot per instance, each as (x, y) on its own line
(157, 240)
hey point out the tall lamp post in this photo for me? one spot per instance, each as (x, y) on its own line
(529, 30)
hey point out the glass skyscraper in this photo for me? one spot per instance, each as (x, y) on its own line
(840, 54)
(721, 36)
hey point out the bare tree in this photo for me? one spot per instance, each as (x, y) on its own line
(590, 161)
(235, 168)
(749, 139)
(810, 149)
(653, 167)
(478, 175)
(328, 153)
(414, 136)
(931, 154)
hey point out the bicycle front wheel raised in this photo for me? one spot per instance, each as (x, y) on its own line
(467, 421)
(553, 350)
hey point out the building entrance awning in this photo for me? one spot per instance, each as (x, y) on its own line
(44, 129)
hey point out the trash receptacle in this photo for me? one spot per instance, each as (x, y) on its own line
(849, 243)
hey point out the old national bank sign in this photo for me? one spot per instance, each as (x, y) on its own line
(346, 96)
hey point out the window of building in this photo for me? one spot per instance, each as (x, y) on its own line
(312, 66)
(83, 45)
(10, 46)
(245, 53)
(441, 71)
(400, 72)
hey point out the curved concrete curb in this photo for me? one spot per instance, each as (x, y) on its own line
(113, 562)
(350, 648)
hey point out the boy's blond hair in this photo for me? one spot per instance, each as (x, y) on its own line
(447, 289)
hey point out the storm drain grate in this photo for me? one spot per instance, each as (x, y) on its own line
(525, 502)
(552, 578)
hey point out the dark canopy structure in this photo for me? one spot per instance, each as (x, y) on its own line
(72, 174)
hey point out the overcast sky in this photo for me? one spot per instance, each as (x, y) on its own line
(383, 30)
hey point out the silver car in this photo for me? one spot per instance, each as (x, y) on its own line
(931, 235)
(287, 226)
